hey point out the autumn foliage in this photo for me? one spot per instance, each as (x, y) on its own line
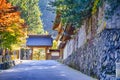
(11, 24)
(8, 15)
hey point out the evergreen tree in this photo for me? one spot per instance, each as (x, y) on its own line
(31, 13)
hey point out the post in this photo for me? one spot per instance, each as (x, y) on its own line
(32, 53)
(19, 54)
(46, 53)
(118, 70)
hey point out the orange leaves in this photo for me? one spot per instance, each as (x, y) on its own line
(4, 4)
(12, 27)
(9, 19)
(8, 14)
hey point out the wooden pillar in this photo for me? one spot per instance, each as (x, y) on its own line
(46, 53)
(32, 53)
(61, 53)
(17, 54)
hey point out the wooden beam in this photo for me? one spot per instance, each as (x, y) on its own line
(38, 46)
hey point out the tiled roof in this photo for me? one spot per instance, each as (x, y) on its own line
(39, 40)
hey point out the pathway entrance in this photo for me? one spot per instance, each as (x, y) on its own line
(42, 70)
(43, 42)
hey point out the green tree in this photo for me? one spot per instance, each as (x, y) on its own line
(73, 11)
(76, 11)
(31, 13)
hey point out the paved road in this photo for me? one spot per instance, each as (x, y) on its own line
(42, 70)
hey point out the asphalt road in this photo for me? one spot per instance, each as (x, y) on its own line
(42, 70)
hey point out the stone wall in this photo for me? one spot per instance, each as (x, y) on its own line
(75, 43)
(68, 49)
(87, 31)
(98, 56)
(114, 21)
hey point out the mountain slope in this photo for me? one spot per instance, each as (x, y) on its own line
(47, 16)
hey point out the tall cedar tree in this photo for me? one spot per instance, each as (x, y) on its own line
(30, 12)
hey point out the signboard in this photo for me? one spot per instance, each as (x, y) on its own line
(55, 54)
